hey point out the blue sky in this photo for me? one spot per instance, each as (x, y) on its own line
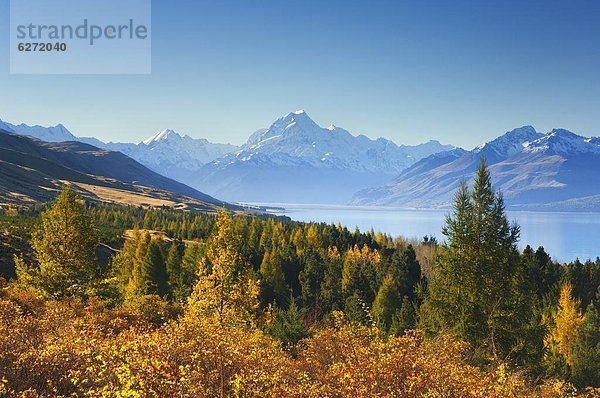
(461, 72)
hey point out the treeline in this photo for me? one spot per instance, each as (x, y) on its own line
(291, 281)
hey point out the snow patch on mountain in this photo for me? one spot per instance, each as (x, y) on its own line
(564, 142)
(511, 143)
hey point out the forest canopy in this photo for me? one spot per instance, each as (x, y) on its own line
(106, 300)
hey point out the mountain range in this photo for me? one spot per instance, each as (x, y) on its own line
(294, 160)
(171, 154)
(558, 170)
(33, 171)
(58, 133)
(297, 161)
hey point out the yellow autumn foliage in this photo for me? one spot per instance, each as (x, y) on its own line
(567, 320)
(77, 348)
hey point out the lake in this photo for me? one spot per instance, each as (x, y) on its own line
(565, 236)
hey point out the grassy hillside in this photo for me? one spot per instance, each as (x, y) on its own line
(33, 171)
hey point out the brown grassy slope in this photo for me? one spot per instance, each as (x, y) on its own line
(31, 173)
(87, 159)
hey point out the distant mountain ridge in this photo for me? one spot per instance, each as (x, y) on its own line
(58, 133)
(558, 170)
(297, 135)
(297, 161)
(166, 152)
(294, 160)
(33, 171)
(170, 153)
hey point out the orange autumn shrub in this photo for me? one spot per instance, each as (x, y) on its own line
(41, 344)
(355, 361)
(75, 348)
(189, 358)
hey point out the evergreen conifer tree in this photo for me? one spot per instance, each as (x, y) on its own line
(585, 350)
(153, 273)
(64, 245)
(311, 278)
(331, 289)
(288, 325)
(472, 287)
(386, 303)
(404, 318)
(190, 266)
(356, 310)
(174, 270)
(273, 286)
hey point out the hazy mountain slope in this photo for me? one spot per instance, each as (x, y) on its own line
(558, 170)
(281, 178)
(5, 127)
(296, 160)
(170, 153)
(33, 170)
(166, 152)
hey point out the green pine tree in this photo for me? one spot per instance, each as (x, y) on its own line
(190, 264)
(311, 278)
(386, 303)
(472, 287)
(288, 325)
(585, 350)
(331, 289)
(404, 318)
(64, 245)
(153, 272)
(356, 310)
(174, 270)
(273, 286)
(407, 271)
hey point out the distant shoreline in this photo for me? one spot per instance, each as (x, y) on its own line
(279, 207)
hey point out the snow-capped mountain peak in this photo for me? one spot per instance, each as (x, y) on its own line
(561, 141)
(556, 169)
(171, 152)
(509, 143)
(527, 139)
(296, 160)
(305, 161)
(167, 151)
(298, 136)
(58, 133)
(162, 136)
(296, 123)
(299, 118)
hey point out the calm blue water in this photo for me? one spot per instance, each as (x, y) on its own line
(565, 236)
